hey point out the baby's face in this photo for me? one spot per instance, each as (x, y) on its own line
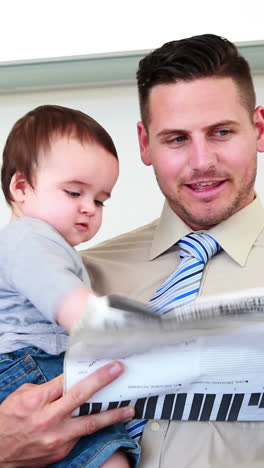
(71, 184)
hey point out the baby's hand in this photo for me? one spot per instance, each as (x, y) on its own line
(97, 312)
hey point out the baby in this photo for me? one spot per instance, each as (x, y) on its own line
(59, 168)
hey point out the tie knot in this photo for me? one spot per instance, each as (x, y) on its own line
(198, 245)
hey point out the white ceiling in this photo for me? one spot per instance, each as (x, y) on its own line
(33, 29)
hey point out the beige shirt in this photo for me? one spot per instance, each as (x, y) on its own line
(135, 264)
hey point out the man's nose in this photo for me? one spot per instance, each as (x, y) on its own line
(203, 156)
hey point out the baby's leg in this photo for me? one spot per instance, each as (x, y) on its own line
(117, 460)
(21, 366)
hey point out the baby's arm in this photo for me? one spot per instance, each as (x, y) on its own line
(117, 460)
(72, 307)
(71, 310)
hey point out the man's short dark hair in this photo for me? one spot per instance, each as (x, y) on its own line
(188, 59)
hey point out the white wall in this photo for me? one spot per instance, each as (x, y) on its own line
(136, 199)
(63, 27)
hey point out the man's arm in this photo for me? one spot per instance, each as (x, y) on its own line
(36, 424)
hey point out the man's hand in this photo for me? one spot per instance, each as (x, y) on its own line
(36, 426)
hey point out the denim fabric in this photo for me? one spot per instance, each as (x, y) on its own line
(27, 365)
(31, 365)
(92, 451)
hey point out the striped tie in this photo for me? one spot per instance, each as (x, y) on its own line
(181, 287)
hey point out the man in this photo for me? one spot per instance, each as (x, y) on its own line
(201, 132)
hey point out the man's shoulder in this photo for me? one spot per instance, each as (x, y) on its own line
(114, 265)
(140, 236)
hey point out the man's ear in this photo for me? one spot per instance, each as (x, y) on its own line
(18, 187)
(143, 143)
(259, 123)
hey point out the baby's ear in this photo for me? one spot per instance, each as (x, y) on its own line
(18, 187)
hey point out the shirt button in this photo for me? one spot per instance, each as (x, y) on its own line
(155, 426)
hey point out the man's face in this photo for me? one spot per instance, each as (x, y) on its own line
(203, 146)
(71, 184)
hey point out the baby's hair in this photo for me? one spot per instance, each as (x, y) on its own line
(34, 133)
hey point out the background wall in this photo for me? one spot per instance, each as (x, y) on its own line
(34, 29)
(136, 199)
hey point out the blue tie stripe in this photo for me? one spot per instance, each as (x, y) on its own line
(181, 271)
(184, 283)
(203, 249)
(186, 293)
(180, 288)
(135, 428)
(211, 244)
(191, 250)
(187, 278)
(195, 250)
(179, 280)
(183, 298)
(139, 424)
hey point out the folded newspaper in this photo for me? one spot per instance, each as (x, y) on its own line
(200, 361)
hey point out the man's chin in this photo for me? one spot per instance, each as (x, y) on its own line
(203, 220)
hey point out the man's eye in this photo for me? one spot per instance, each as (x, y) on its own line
(223, 132)
(177, 139)
(72, 194)
(98, 203)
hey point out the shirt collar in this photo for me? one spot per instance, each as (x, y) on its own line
(236, 235)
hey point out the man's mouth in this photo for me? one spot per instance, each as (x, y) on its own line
(205, 186)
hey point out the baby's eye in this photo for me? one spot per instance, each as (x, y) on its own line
(98, 203)
(72, 194)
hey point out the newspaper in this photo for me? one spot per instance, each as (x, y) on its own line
(200, 361)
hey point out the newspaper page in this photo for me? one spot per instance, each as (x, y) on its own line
(201, 361)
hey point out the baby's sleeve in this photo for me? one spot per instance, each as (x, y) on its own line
(44, 269)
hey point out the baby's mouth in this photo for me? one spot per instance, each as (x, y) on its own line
(82, 226)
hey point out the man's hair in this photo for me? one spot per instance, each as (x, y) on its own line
(189, 59)
(34, 132)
